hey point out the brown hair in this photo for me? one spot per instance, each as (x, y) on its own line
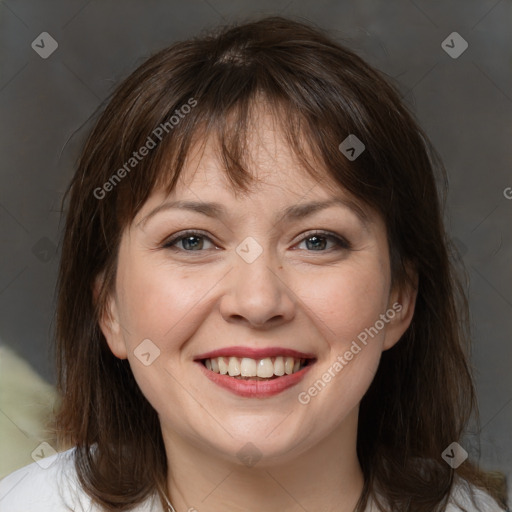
(422, 396)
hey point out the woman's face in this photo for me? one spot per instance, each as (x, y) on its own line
(260, 283)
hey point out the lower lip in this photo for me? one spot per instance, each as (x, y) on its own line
(255, 388)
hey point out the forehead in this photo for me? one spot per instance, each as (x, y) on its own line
(279, 181)
(281, 172)
(268, 158)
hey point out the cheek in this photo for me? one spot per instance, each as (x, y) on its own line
(348, 301)
(347, 306)
(159, 302)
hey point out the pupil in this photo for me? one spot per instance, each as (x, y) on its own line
(317, 239)
(187, 240)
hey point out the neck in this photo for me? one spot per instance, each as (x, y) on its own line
(326, 476)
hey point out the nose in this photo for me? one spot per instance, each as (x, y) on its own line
(257, 294)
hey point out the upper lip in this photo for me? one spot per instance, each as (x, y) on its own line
(254, 353)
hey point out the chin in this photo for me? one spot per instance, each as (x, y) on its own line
(266, 447)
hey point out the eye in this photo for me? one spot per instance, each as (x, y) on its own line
(317, 241)
(191, 240)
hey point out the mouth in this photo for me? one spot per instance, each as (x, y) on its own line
(255, 373)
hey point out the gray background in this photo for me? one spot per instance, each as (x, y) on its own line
(464, 104)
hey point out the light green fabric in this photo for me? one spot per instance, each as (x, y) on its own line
(26, 409)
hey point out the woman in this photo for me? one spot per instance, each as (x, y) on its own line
(257, 309)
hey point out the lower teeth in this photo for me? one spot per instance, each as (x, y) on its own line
(254, 378)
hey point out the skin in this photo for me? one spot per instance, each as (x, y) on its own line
(293, 295)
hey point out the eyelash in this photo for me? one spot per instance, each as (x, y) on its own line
(340, 242)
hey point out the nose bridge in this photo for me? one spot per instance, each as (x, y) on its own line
(258, 293)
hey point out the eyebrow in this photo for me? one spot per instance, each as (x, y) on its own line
(294, 212)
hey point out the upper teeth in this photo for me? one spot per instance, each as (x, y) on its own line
(247, 367)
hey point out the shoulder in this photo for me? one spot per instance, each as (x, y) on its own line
(466, 497)
(46, 485)
(51, 485)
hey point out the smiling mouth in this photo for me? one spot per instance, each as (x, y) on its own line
(265, 369)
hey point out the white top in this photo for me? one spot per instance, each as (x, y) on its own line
(51, 485)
